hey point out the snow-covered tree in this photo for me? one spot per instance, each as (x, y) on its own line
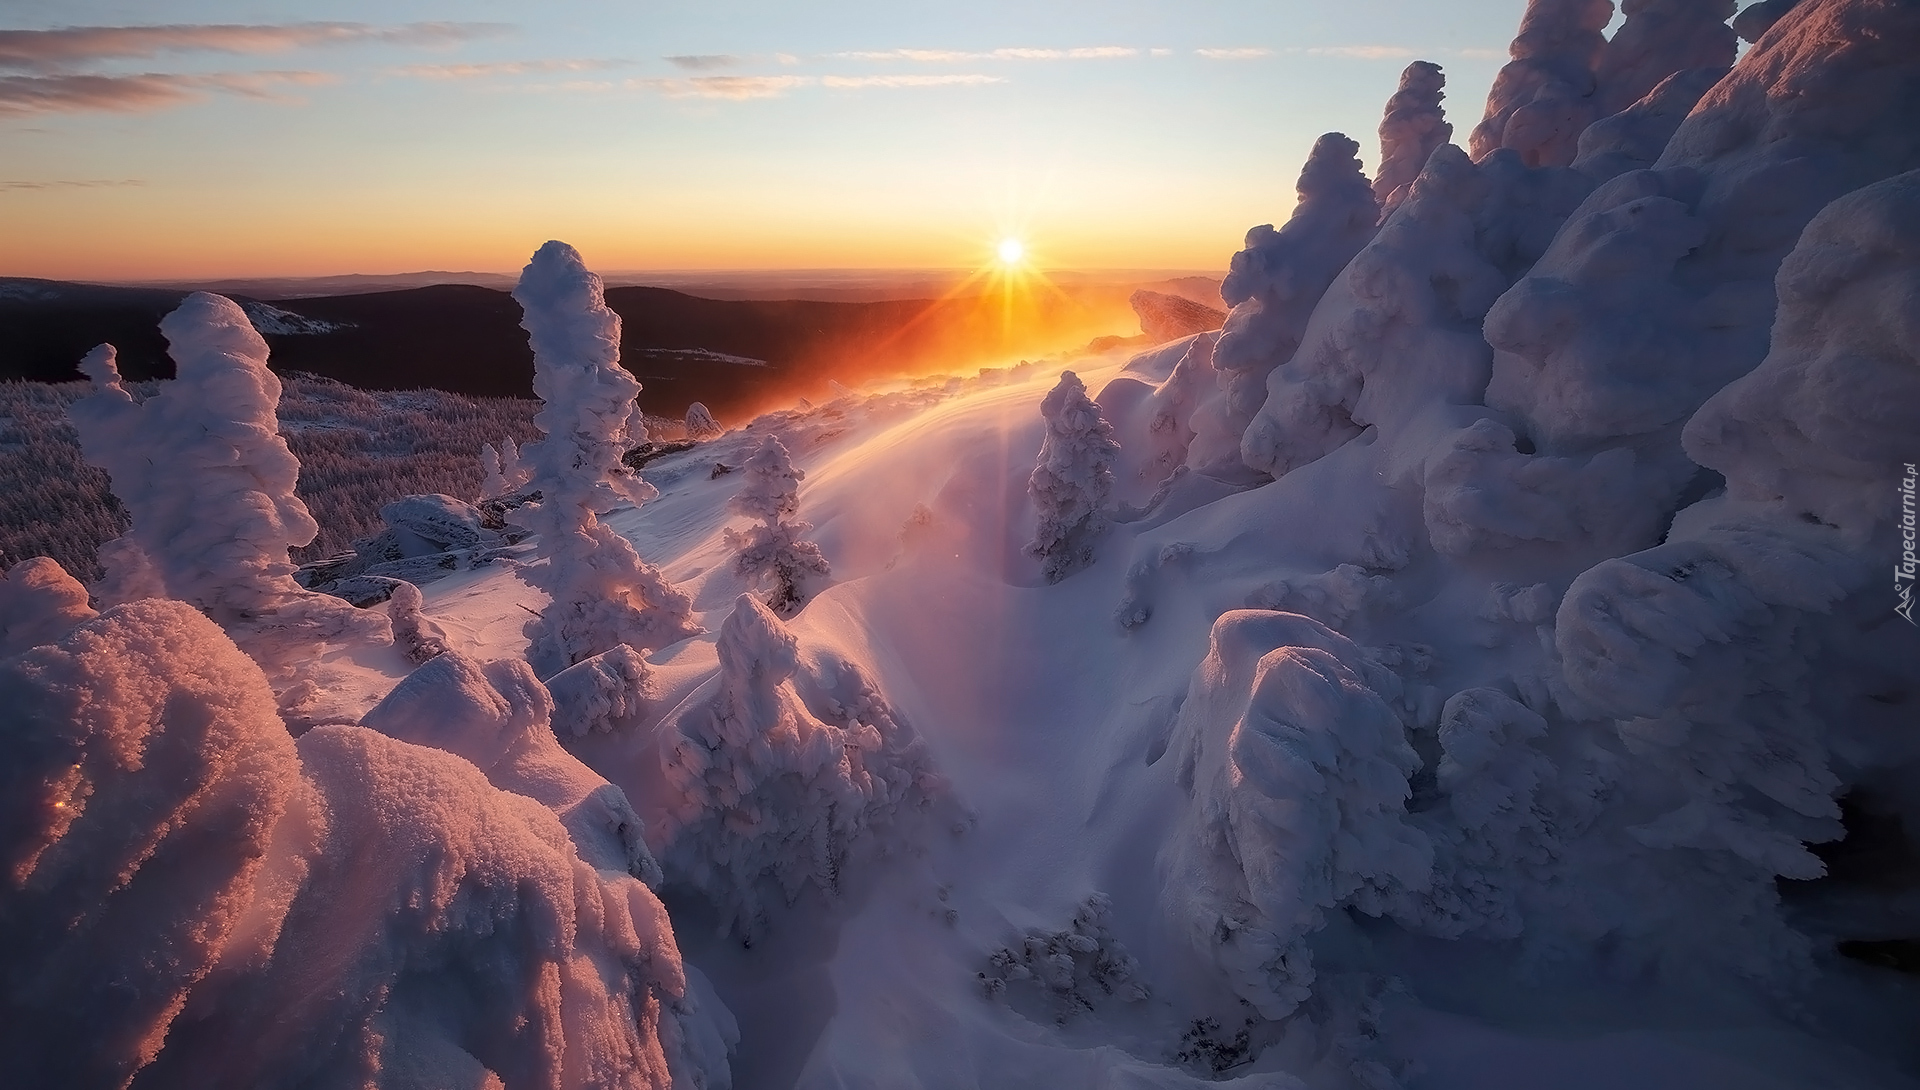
(771, 550)
(501, 470)
(700, 423)
(1545, 95)
(1272, 286)
(209, 481)
(1414, 124)
(1074, 480)
(603, 594)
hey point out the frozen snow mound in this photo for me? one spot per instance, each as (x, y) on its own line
(774, 780)
(1297, 771)
(194, 897)
(603, 594)
(428, 537)
(209, 482)
(1166, 317)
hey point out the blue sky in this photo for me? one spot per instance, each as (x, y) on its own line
(271, 138)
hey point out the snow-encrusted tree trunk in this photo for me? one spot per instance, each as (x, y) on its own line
(1273, 285)
(772, 550)
(1074, 480)
(210, 483)
(1414, 125)
(602, 593)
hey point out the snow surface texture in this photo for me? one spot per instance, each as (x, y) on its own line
(772, 550)
(209, 481)
(603, 594)
(194, 898)
(1272, 287)
(1073, 482)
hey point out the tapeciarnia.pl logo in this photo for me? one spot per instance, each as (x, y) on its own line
(1904, 571)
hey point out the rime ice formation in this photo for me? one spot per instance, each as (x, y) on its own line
(1414, 124)
(601, 693)
(209, 481)
(39, 603)
(603, 594)
(193, 897)
(766, 791)
(1659, 38)
(1298, 771)
(700, 423)
(1272, 287)
(502, 473)
(1546, 94)
(1073, 482)
(1634, 138)
(417, 635)
(772, 550)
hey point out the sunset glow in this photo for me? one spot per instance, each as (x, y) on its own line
(1011, 251)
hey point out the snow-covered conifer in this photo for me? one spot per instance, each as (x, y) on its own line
(603, 594)
(210, 484)
(1273, 285)
(1545, 95)
(417, 636)
(700, 423)
(1414, 125)
(502, 471)
(1074, 480)
(772, 550)
(1659, 38)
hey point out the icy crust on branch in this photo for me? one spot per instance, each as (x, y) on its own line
(1297, 772)
(603, 594)
(39, 603)
(209, 482)
(1272, 286)
(1414, 124)
(1708, 646)
(1658, 291)
(775, 778)
(1545, 95)
(772, 550)
(1397, 334)
(196, 899)
(1073, 484)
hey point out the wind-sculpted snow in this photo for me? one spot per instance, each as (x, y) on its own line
(1710, 646)
(1634, 138)
(1545, 95)
(195, 899)
(1397, 335)
(1415, 123)
(599, 694)
(603, 594)
(766, 792)
(209, 482)
(1272, 287)
(1297, 771)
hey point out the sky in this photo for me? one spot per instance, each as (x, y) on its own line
(235, 138)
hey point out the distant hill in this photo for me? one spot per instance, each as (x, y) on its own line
(739, 356)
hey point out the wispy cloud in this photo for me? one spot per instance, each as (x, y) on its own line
(24, 95)
(1362, 52)
(73, 183)
(1241, 53)
(737, 88)
(703, 62)
(956, 80)
(47, 51)
(496, 69)
(956, 56)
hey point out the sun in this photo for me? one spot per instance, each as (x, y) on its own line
(1011, 250)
